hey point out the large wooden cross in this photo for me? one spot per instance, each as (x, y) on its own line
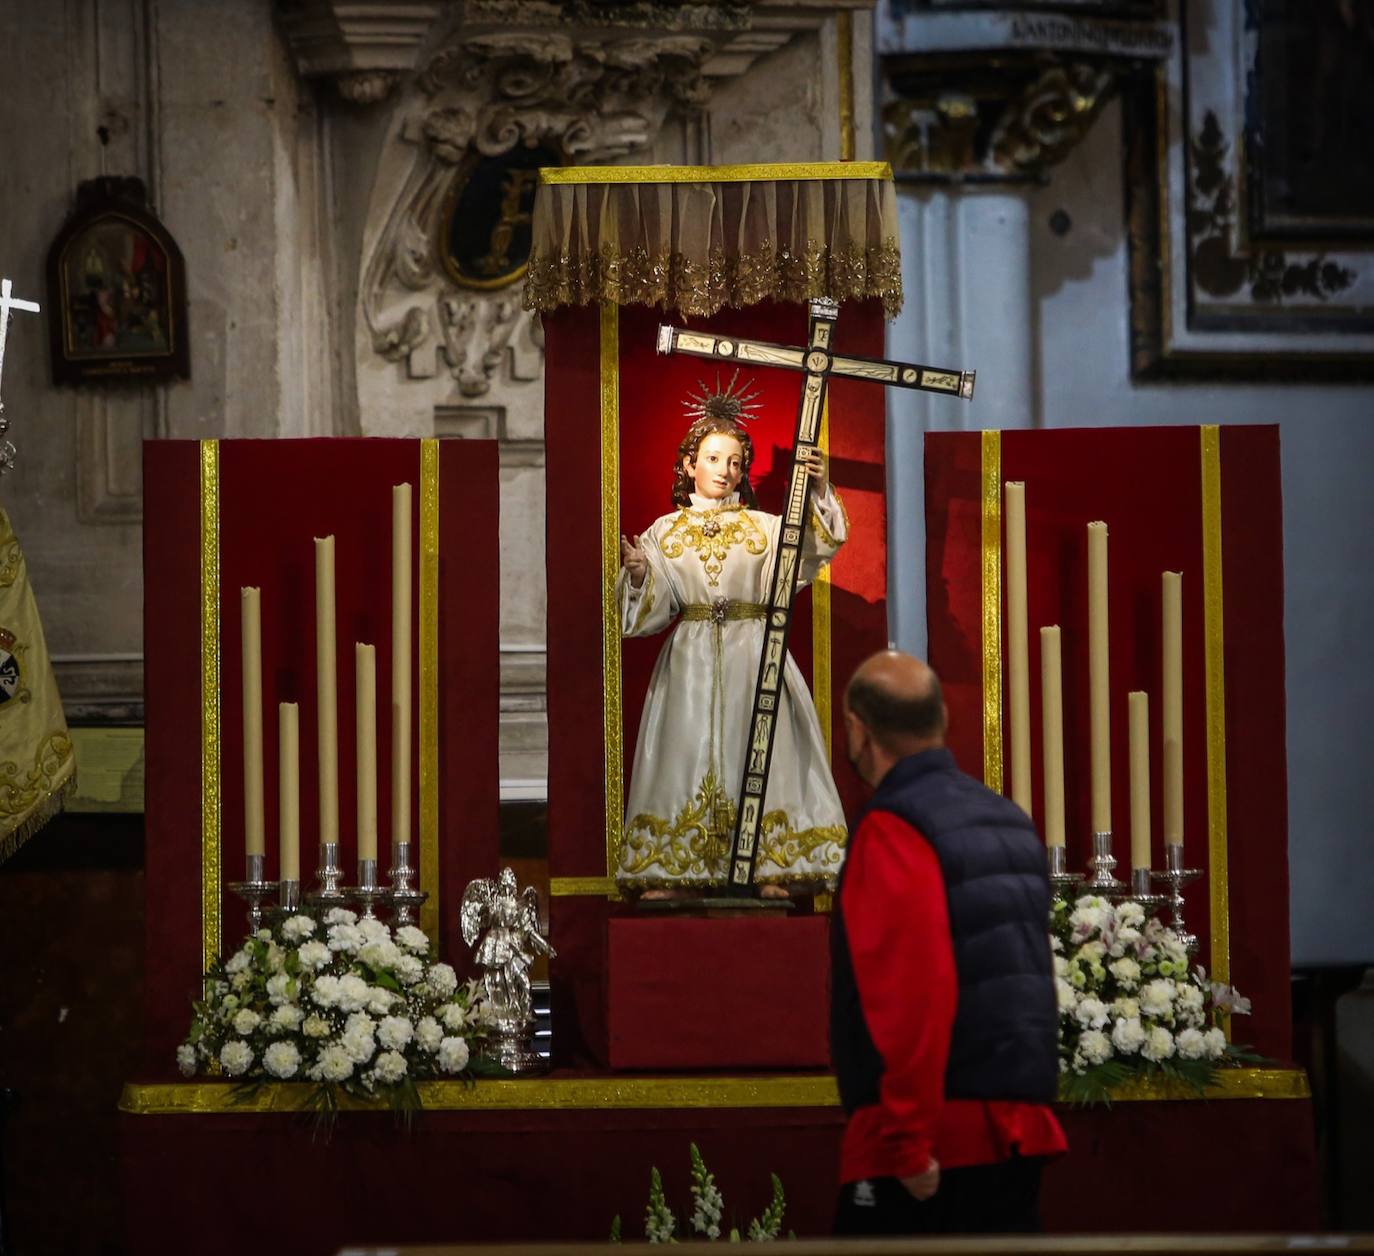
(819, 363)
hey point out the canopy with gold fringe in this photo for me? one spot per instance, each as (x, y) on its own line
(697, 238)
(37, 766)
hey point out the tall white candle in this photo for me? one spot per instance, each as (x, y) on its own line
(1099, 702)
(1172, 712)
(1052, 726)
(365, 657)
(289, 791)
(326, 689)
(400, 662)
(250, 606)
(1018, 647)
(1138, 710)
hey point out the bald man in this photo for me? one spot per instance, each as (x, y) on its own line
(943, 1021)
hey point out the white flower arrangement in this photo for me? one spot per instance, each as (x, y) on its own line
(1131, 1004)
(339, 1002)
(708, 1206)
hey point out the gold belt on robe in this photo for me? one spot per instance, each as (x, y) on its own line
(722, 609)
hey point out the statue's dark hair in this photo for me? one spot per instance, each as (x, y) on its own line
(893, 719)
(683, 483)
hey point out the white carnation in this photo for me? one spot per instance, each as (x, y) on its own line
(379, 1000)
(1157, 998)
(382, 953)
(1095, 1046)
(1065, 994)
(1126, 971)
(1130, 913)
(1128, 1035)
(1092, 950)
(395, 1032)
(245, 1022)
(358, 1044)
(186, 1059)
(1216, 1043)
(1091, 1012)
(235, 1057)
(277, 989)
(373, 930)
(238, 962)
(1124, 1008)
(409, 970)
(263, 935)
(240, 980)
(453, 1055)
(1061, 966)
(282, 1060)
(442, 980)
(1191, 1044)
(313, 955)
(361, 1021)
(298, 928)
(413, 939)
(340, 916)
(1159, 1044)
(429, 1034)
(353, 992)
(276, 958)
(315, 1027)
(326, 992)
(334, 1064)
(1190, 998)
(287, 1018)
(344, 938)
(390, 1067)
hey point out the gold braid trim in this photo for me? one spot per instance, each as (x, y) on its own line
(712, 538)
(640, 277)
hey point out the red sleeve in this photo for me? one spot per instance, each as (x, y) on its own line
(897, 924)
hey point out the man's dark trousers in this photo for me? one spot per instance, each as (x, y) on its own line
(999, 1198)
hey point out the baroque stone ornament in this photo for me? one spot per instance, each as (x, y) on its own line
(435, 296)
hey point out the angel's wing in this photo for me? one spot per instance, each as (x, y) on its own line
(529, 920)
(475, 906)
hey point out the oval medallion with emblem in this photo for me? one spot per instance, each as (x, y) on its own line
(484, 230)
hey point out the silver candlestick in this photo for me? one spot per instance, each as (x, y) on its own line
(367, 891)
(254, 891)
(1141, 891)
(1175, 876)
(1103, 861)
(329, 892)
(1064, 882)
(405, 898)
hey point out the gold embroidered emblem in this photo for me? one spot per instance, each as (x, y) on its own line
(712, 536)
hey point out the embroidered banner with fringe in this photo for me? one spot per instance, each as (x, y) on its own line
(37, 767)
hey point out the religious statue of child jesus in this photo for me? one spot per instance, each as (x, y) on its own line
(708, 565)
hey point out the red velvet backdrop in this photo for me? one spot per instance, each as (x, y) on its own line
(1147, 485)
(652, 389)
(275, 496)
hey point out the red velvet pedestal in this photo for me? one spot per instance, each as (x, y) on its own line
(677, 997)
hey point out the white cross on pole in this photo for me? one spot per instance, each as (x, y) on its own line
(8, 303)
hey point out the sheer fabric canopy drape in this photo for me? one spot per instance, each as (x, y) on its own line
(695, 246)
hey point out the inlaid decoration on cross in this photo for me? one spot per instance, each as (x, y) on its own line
(819, 362)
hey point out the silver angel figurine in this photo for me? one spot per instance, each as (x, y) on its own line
(502, 924)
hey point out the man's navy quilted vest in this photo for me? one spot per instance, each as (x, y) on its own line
(1005, 1038)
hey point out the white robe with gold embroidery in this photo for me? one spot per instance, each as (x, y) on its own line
(689, 760)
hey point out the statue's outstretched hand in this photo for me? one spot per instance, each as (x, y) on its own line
(634, 559)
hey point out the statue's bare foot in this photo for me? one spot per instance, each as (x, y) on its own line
(773, 891)
(659, 896)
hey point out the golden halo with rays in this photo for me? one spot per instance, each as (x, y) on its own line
(735, 404)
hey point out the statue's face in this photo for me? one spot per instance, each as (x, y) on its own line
(719, 466)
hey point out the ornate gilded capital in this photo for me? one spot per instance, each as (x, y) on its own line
(1003, 96)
